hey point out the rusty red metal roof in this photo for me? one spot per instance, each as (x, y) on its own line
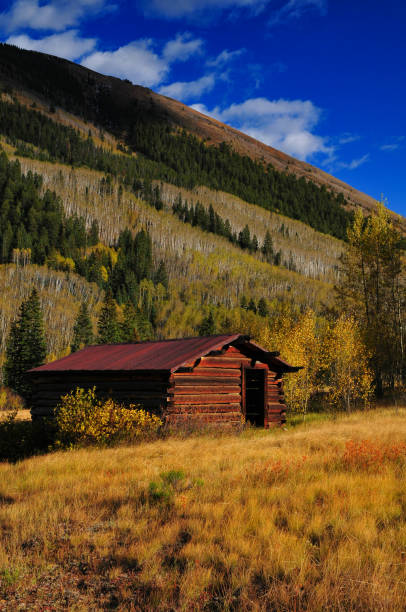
(160, 355)
(163, 355)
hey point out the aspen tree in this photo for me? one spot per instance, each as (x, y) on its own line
(348, 375)
(372, 289)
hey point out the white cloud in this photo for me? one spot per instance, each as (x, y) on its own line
(188, 8)
(56, 15)
(177, 9)
(189, 89)
(294, 9)
(68, 44)
(355, 163)
(202, 108)
(347, 138)
(141, 63)
(182, 48)
(136, 61)
(287, 125)
(396, 144)
(390, 147)
(225, 57)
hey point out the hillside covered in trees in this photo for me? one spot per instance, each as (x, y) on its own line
(114, 104)
(180, 159)
(131, 227)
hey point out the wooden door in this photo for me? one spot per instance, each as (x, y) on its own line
(255, 396)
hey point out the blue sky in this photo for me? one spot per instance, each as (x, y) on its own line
(323, 80)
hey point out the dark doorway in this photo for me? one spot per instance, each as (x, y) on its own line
(255, 396)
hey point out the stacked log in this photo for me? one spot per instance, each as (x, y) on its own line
(210, 393)
(275, 413)
(148, 390)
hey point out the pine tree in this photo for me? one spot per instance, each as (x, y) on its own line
(263, 307)
(252, 306)
(107, 325)
(212, 222)
(244, 303)
(26, 347)
(143, 255)
(278, 258)
(244, 238)
(157, 199)
(161, 275)
(94, 233)
(83, 330)
(128, 326)
(267, 247)
(208, 325)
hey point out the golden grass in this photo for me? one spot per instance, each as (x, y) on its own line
(261, 521)
(22, 415)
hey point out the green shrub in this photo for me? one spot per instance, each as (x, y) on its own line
(163, 491)
(9, 576)
(82, 418)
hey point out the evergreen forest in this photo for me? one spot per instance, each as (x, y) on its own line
(180, 159)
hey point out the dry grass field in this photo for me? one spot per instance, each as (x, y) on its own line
(313, 518)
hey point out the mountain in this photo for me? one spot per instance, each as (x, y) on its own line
(191, 225)
(117, 104)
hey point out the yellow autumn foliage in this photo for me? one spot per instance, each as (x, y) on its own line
(350, 377)
(333, 358)
(10, 401)
(83, 418)
(103, 249)
(63, 263)
(300, 346)
(104, 274)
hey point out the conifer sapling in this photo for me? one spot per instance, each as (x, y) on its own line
(26, 347)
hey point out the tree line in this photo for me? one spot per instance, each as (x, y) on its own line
(180, 159)
(33, 223)
(210, 221)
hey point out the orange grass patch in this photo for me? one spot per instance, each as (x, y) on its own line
(370, 455)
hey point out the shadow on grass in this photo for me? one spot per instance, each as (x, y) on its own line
(23, 439)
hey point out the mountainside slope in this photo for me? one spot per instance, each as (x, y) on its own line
(83, 193)
(115, 104)
(205, 271)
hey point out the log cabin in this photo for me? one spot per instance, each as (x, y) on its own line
(221, 380)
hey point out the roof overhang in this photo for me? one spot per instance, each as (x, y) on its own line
(257, 352)
(159, 356)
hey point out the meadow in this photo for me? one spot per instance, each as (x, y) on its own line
(308, 518)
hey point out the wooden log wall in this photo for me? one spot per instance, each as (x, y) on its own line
(275, 411)
(210, 393)
(148, 389)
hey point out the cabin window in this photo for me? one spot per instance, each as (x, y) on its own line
(255, 396)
